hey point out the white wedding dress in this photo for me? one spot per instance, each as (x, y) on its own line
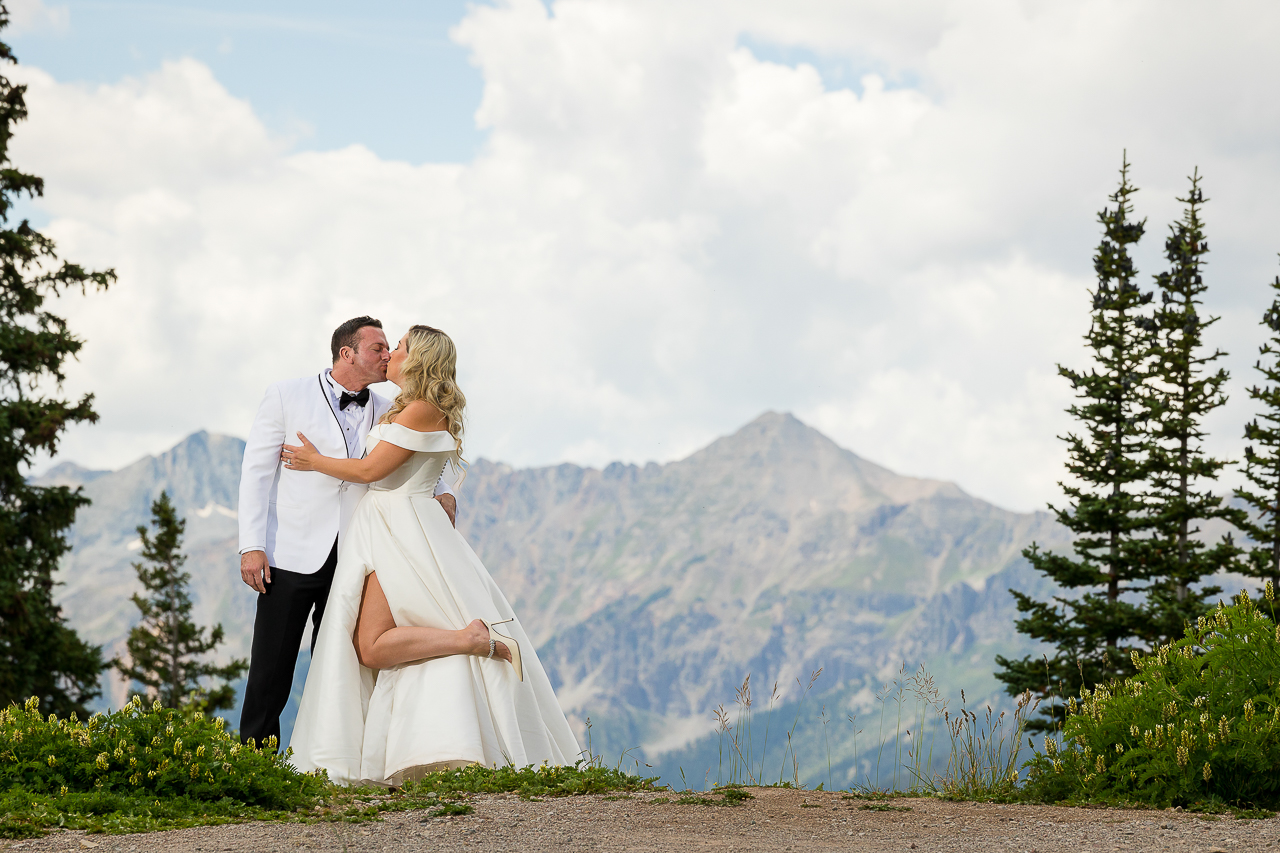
(383, 727)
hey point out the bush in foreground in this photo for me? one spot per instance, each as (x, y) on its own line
(156, 763)
(1198, 724)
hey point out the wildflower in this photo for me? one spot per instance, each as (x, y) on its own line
(62, 792)
(1248, 705)
(177, 746)
(135, 779)
(1183, 756)
(168, 730)
(1208, 771)
(102, 761)
(156, 706)
(1133, 730)
(1050, 746)
(1100, 764)
(1270, 591)
(1119, 747)
(1213, 740)
(200, 751)
(1224, 728)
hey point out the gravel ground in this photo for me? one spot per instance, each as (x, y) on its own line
(776, 820)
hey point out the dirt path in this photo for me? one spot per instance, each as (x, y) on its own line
(775, 821)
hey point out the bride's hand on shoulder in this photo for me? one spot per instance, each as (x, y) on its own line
(301, 457)
(421, 416)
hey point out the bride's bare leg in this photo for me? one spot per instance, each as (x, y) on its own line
(380, 643)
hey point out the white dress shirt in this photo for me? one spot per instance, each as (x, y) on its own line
(354, 419)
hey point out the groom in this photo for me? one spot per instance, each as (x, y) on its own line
(292, 522)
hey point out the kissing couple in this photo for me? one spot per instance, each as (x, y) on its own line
(418, 662)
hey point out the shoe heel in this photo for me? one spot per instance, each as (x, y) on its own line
(510, 643)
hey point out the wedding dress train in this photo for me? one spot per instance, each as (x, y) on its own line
(383, 727)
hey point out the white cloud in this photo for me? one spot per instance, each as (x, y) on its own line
(27, 16)
(666, 234)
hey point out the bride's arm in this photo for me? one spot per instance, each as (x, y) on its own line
(384, 459)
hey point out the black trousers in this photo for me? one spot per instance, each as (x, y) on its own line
(277, 633)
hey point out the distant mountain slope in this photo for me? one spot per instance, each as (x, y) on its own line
(202, 475)
(651, 591)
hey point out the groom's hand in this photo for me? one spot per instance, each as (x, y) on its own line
(254, 570)
(450, 505)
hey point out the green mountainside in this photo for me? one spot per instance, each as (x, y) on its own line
(652, 591)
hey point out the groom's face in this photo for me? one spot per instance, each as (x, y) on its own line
(370, 360)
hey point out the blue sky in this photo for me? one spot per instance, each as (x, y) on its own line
(327, 74)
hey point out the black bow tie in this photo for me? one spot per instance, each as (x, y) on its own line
(359, 399)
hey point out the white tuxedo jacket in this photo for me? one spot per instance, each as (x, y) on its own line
(295, 515)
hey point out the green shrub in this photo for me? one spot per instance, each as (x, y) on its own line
(1198, 724)
(582, 777)
(152, 753)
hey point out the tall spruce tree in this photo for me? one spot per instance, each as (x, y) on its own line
(1187, 388)
(165, 647)
(1097, 622)
(1262, 458)
(40, 655)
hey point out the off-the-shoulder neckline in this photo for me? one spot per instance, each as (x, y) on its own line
(418, 431)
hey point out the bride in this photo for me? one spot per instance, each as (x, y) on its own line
(420, 664)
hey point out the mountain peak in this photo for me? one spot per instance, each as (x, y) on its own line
(67, 474)
(806, 463)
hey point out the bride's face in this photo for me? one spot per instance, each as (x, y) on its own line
(398, 356)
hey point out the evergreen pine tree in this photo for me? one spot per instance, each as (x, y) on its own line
(39, 654)
(1094, 625)
(1187, 389)
(165, 646)
(1262, 459)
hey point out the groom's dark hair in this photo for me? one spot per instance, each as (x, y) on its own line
(348, 334)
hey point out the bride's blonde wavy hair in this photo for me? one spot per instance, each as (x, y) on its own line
(429, 372)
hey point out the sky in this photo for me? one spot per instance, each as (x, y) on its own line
(644, 223)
